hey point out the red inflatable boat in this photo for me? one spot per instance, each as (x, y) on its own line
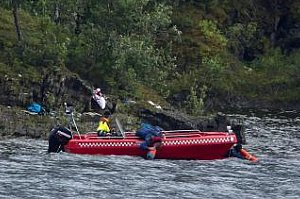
(175, 145)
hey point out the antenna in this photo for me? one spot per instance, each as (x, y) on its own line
(69, 109)
(120, 127)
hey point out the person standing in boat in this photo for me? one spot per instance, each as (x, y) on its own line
(103, 127)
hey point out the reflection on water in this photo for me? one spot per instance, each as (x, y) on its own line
(27, 171)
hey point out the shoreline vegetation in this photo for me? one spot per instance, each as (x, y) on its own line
(195, 57)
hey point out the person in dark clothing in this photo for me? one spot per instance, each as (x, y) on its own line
(152, 136)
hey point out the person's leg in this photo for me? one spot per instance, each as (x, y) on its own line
(101, 133)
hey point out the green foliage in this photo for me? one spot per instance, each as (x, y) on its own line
(215, 65)
(242, 36)
(119, 40)
(44, 43)
(229, 48)
(213, 36)
(216, 61)
(274, 77)
(49, 48)
(272, 61)
(194, 104)
(137, 60)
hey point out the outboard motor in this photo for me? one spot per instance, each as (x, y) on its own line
(238, 150)
(240, 133)
(58, 137)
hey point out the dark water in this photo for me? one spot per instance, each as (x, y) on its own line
(26, 171)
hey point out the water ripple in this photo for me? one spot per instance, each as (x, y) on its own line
(27, 171)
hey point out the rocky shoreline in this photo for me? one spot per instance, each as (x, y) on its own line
(55, 88)
(17, 122)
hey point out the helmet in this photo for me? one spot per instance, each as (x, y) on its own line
(98, 90)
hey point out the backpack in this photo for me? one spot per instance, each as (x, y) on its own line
(35, 108)
(147, 129)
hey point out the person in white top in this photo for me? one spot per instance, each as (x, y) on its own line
(99, 98)
(101, 103)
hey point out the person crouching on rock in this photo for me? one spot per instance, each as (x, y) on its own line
(103, 127)
(101, 103)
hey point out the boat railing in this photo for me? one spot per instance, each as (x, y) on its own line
(131, 135)
(105, 137)
(93, 135)
(183, 135)
(166, 136)
(182, 131)
(136, 137)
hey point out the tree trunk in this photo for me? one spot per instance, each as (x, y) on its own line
(57, 18)
(16, 20)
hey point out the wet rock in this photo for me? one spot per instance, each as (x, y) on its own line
(171, 120)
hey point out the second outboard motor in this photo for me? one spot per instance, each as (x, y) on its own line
(58, 137)
(240, 133)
